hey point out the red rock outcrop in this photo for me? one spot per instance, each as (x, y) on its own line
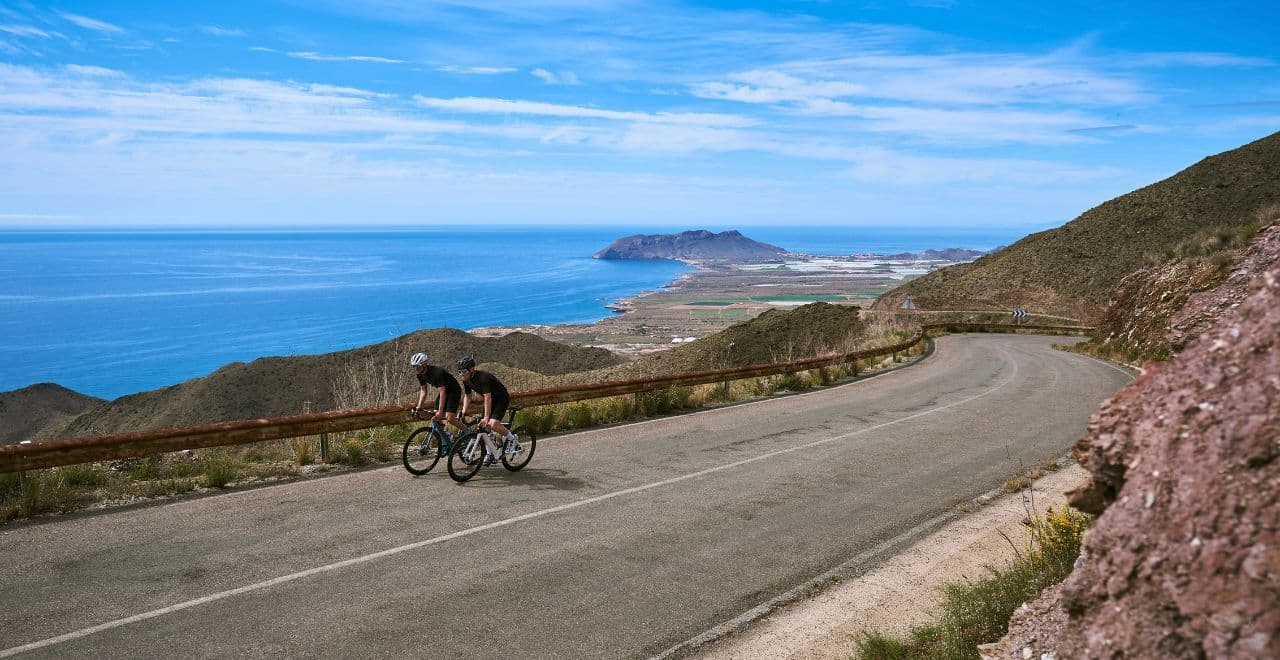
(1184, 560)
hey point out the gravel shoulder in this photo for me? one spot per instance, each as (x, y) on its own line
(902, 591)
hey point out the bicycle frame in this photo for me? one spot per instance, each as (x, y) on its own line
(474, 434)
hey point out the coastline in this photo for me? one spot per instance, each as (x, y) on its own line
(715, 295)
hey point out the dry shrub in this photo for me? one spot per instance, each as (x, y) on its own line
(302, 450)
(370, 382)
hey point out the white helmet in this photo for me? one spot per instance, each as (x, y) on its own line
(419, 359)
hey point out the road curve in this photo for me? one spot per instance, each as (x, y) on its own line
(620, 542)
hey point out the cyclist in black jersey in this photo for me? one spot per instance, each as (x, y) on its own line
(448, 392)
(486, 386)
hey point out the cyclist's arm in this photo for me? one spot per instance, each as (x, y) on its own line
(488, 404)
(422, 397)
(439, 402)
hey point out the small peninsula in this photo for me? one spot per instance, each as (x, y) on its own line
(693, 246)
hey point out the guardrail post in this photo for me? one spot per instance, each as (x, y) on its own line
(324, 447)
(724, 390)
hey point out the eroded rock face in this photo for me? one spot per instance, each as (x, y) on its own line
(1203, 308)
(1160, 309)
(1184, 561)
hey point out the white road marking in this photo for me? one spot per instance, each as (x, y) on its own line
(221, 595)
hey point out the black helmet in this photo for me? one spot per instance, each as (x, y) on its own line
(466, 363)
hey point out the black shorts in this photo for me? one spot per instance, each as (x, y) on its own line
(451, 401)
(498, 408)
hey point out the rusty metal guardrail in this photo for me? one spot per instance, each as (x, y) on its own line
(70, 451)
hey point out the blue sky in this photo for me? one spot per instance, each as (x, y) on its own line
(342, 112)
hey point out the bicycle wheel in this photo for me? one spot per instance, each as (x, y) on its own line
(467, 457)
(527, 441)
(421, 450)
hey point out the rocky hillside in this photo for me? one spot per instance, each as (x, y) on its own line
(700, 245)
(34, 409)
(1073, 270)
(1184, 560)
(276, 386)
(1156, 311)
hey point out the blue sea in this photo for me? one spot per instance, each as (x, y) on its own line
(115, 312)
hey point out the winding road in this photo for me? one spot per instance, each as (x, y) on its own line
(619, 542)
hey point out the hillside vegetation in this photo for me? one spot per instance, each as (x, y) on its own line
(34, 409)
(1074, 270)
(277, 386)
(775, 336)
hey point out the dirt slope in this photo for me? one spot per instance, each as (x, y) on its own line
(33, 409)
(774, 336)
(1073, 270)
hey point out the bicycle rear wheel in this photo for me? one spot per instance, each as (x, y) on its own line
(527, 441)
(421, 450)
(467, 457)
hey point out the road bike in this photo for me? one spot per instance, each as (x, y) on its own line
(428, 444)
(472, 451)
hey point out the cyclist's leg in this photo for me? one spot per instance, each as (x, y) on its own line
(495, 418)
(451, 410)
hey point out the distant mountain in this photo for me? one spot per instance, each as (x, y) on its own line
(948, 254)
(1075, 269)
(33, 409)
(700, 245)
(277, 386)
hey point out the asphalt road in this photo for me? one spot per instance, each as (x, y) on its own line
(620, 542)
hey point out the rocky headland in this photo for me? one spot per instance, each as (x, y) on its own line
(693, 246)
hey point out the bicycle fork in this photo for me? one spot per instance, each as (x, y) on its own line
(473, 449)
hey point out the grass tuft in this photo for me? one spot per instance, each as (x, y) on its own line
(976, 613)
(302, 450)
(219, 469)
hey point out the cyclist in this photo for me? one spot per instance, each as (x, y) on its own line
(486, 386)
(448, 392)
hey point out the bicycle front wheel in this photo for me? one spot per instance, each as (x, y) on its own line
(515, 458)
(421, 450)
(467, 458)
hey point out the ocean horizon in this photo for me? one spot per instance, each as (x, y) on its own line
(110, 312)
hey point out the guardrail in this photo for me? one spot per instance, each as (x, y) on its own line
(70, 451)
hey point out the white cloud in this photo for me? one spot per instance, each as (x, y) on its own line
(967, 79)
(89, 71)
(1206, 60)
(886, 167)
(92, 23)
(219, 31)
(774, 87)
(562, 78)
(317, 57)
(480, 105)
(25, 31)
(984, 126)
(89, 102)
(476, 70)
